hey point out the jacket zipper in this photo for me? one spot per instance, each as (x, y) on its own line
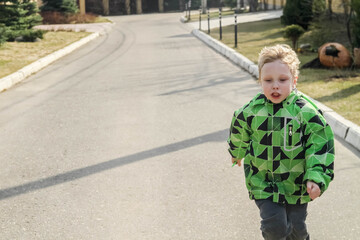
(290, 135)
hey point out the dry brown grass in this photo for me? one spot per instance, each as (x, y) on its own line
(61, 18)
(16, 55)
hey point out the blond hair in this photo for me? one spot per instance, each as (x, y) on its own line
(281, 52)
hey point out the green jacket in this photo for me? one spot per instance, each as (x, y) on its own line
(284, 146)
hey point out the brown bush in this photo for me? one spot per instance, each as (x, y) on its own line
(61, 18)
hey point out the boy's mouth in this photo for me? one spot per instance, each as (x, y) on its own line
(275, 95)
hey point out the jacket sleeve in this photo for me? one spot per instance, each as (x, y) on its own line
(319, 153)
(239, 137)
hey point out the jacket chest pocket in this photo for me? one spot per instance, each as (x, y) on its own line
(292, 134)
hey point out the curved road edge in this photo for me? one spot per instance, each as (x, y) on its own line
(342, 127)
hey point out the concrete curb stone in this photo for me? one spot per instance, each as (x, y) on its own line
(353, 136)
(183, 19)
(342, 127)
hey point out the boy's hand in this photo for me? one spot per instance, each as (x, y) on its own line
(238, 161)
(313, 190)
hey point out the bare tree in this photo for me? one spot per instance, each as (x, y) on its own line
(330, 8)
(348, 11)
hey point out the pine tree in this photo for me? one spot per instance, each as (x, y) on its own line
(298, 12)
(64, 6)
(2, 34)
(17, 17)
(19, 14)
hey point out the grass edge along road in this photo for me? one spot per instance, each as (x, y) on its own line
(339, 89)
(16, 55)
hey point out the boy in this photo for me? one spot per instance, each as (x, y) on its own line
(287, 146)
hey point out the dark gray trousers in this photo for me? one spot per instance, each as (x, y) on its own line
(282, 221)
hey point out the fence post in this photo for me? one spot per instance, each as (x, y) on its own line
(189, 9)
(200, 18)
(220, 23)
(235, 30)
(208, 21)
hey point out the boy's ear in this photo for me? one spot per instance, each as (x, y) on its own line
(295, 81)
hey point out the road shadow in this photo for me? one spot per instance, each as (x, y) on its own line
(341, 94)
(269, 36)
(182, 36)
(217, 136)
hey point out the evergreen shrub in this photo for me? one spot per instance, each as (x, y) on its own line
(63, 6)
(230, 3)
(298, 12)
(3, 37)
(294, 32)
(17, 16)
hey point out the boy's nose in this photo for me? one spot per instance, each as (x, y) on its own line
(275, 86)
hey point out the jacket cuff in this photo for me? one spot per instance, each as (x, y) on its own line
(237, 153)
(316, 177)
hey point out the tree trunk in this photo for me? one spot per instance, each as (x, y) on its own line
(161, 6)
(330, 8)
(253, 5)
(349, 30)
(294, 43)
(203, 6)
(138, 7)
(105, 7)
(82, 6)
(127, 7)
(182, 5)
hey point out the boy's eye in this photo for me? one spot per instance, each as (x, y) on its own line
(283, 79)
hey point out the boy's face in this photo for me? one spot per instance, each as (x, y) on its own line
(276, 81)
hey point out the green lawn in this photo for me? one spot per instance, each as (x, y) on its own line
(336, 88)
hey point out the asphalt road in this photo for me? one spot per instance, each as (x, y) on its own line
(126, 139)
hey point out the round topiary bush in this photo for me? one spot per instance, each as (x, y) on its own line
(293, 32)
